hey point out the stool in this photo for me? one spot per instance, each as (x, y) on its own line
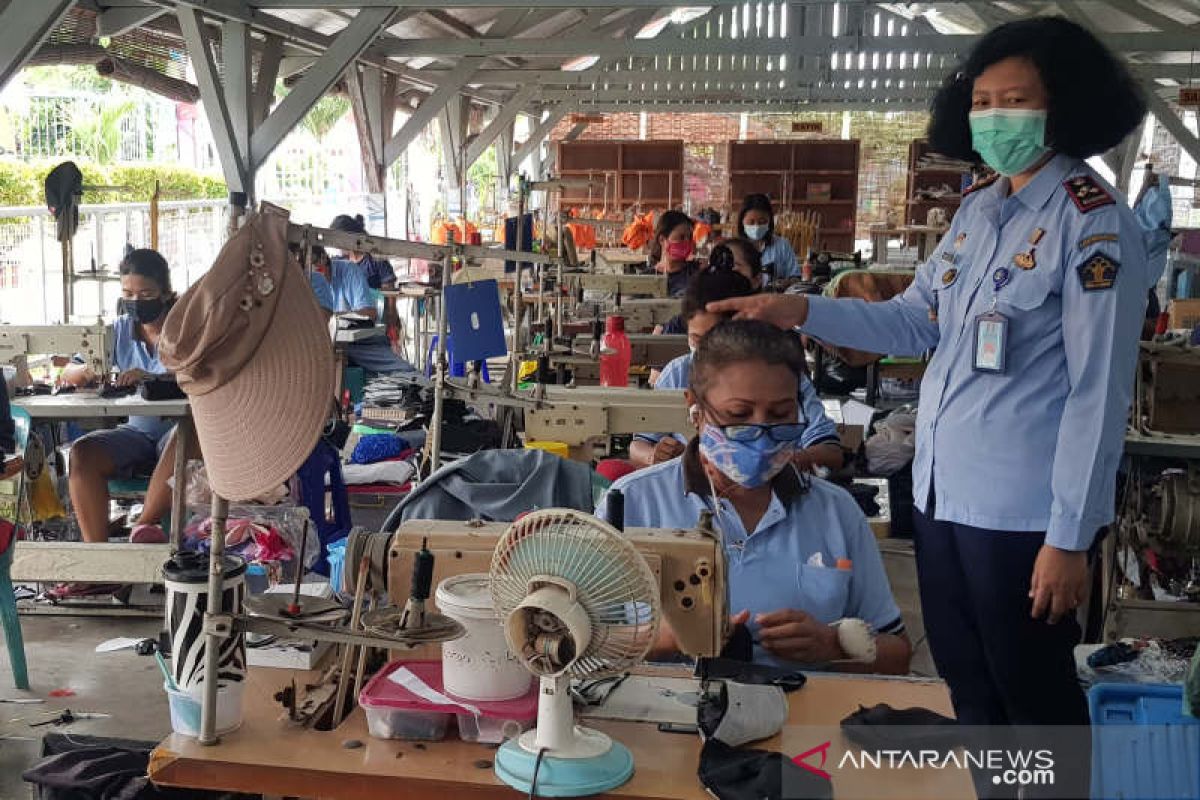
(325, 462)
(458, 369)
(8, 607)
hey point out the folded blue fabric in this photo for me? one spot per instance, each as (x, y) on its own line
(377, 447)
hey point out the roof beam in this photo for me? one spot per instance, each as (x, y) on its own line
(1174, 123)
(427, 4)
(423, 114)
(504, 119)
(1149, 16)
(122, 19)
(940, 44)
(234, 162)
(318, 79)
(757, 108)
(540, 132)
(23, 28)
(269, 61)
(800, 95)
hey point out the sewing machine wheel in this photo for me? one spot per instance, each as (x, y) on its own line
(385, 622)
(313, 609)
(35, 457)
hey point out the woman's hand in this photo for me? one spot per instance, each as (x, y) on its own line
(131, 377)
(796, 636)
(785, 311)
(667, 448)
(1059, 584)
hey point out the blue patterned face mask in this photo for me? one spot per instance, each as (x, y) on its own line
(749, 455)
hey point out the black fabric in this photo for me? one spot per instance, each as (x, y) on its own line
(95, 768)
(675, 326)
(511, 243)
(740, 646)
(741, 773)
(8, 429)
(64, 189)
(874, 729)
(748, 672)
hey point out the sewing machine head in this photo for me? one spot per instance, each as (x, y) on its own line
(689, 565)
(18, 343)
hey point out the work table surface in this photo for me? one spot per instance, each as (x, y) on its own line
(90, 405)
(268, 756)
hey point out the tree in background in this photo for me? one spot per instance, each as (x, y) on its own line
(324, 115)
(97, 131)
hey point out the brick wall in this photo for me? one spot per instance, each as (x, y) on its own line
(884, 137)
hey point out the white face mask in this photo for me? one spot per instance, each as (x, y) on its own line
(756, 232)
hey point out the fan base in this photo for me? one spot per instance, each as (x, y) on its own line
(563, 777)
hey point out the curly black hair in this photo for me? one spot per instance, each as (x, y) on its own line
(1094, 101)
(712, 285)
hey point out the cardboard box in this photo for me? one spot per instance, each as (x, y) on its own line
(820, 191)
(1183, 314)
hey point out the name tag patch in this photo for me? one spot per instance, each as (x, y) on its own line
(1097, 238)
(1097, 273)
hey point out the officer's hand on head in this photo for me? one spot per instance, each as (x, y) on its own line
(797, 636)
(1059, 582)
(782, 310)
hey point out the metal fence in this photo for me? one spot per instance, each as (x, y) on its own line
(189, 235)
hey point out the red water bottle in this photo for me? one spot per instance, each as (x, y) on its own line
(615, 353)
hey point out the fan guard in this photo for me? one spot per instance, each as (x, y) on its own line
(612, 582)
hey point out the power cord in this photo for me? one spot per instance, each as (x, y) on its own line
(537, 765)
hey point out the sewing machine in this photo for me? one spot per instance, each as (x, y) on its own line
(640, 313)
(689, 565)
(19, 342)
(628, 285)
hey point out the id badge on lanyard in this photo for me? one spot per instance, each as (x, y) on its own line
(991, 331)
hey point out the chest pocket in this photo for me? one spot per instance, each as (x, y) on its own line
(1026, 292)
(824, 591)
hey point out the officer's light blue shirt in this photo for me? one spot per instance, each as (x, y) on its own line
(779, 258)
(349, 285)
(789, 560)
(130, 352)
(1035, 448)
(820, 428)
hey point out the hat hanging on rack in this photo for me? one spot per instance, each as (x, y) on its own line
(249, 346)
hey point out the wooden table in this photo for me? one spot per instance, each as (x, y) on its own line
(268, 757)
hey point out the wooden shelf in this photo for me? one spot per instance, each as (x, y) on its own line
(917, 149)
(623, 166)
(822, 202)
(825, 172)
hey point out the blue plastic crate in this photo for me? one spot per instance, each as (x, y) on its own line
(1143, 746)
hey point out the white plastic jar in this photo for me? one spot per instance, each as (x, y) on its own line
(477, 666)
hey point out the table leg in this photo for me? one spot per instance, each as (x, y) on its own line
(184, 431)
(879, 242)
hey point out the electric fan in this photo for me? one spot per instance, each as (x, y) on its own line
(577, 601)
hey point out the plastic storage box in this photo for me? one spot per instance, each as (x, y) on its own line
(395, 712)
(1143, 746)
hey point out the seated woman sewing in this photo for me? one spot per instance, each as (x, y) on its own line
(801, 555)
(819, 444)
(137, 445)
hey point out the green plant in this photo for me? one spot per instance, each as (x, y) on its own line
(324, 114)
(22, 184)
(97, 131)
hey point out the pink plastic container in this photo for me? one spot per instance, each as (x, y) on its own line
(394, 712)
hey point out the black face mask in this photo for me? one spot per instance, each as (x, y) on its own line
(144, 311)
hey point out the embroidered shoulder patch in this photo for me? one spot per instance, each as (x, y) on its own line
(1098, 272)
(1087, 194)
(982, 183)
(1097, 238)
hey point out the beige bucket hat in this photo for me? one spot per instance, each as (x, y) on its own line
(249, 345)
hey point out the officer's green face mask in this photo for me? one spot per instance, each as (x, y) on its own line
(1011, 140)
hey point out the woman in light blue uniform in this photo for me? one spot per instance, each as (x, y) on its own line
(819, 445)
(1034, 301)
(801, 555)
(133, 447)
(756, 222)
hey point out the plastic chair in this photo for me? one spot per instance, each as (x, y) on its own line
(311, 477)
(8, 596)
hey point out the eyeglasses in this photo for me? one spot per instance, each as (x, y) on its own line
(753, 431)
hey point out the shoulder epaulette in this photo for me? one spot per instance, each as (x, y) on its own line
(982, 183)
(1087, 194)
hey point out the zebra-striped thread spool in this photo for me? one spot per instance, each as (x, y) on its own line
(186, 579)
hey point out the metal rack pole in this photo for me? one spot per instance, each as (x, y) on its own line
(215, 610)
(440, 371)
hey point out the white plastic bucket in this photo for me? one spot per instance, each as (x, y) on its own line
(186, 708)
(478, 666)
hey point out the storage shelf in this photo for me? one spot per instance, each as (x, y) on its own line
(917, 149)
(825, 172)
(823, 202)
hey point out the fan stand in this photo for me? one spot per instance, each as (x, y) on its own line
(577, 761)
